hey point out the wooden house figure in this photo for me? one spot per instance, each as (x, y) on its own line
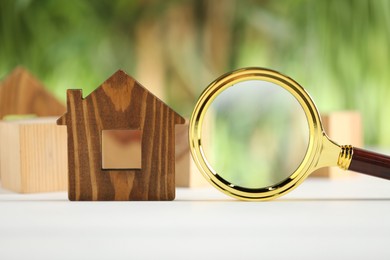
(121, 143)
(31, 157)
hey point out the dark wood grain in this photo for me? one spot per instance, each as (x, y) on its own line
(370, 163)
(21, 93)
(120, 103)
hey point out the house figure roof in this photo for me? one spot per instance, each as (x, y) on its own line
(121, 107)
(21, 93)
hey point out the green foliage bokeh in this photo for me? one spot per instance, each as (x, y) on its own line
(338, 50)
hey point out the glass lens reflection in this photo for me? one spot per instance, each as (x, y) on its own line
(255, 134)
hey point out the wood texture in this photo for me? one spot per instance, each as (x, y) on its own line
(370, 163)
(120, 103)
(343, 127)
(21, 93)
(33, 155)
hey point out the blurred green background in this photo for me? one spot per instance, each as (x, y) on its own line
(338, 50)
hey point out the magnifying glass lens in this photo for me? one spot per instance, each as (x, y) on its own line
(255, 134)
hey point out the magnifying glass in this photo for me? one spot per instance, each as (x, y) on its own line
(256, 134)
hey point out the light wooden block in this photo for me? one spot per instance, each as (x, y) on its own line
(344, 127)
(33, 155)
(187, 174)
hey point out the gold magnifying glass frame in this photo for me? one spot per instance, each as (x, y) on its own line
(321, 151)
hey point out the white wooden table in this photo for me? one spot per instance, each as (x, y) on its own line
(322, 219)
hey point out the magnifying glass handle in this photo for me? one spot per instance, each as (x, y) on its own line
(370, 163)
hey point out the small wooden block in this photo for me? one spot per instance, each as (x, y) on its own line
(120, 103)
(344, 128)
(121, 149)
(33, 155)
(187, 174)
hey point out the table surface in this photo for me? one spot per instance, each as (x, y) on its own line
(322, 219)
